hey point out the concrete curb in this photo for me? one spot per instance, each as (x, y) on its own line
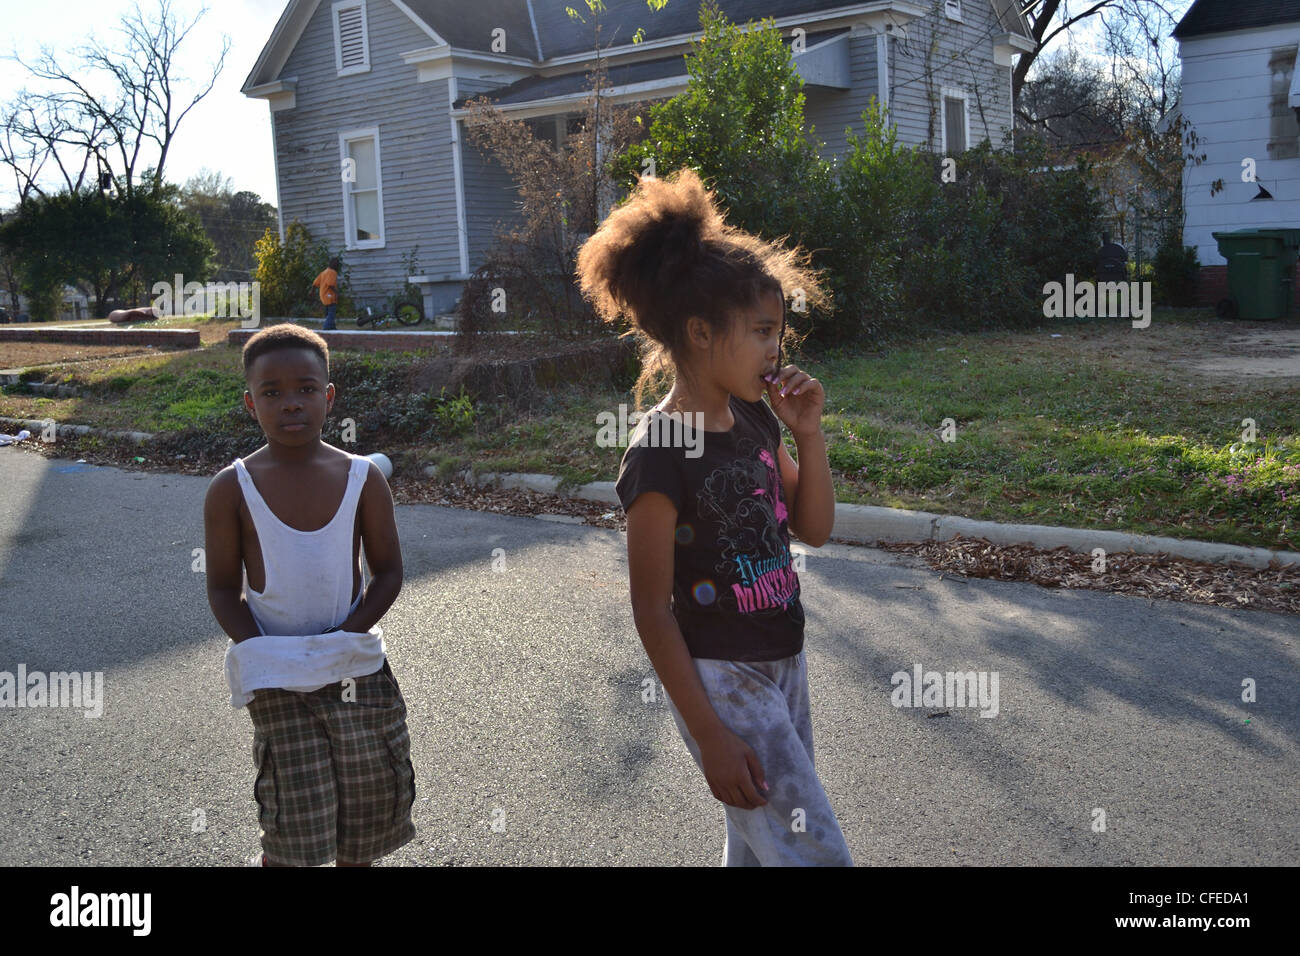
(868, 524)
(36, 425)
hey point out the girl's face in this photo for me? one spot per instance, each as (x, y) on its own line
(751, 350)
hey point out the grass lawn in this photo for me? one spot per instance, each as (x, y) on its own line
(1085, 424)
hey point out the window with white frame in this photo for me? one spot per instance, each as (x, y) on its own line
(953, 9)
(363, 193)
(351, 41)
(955, 123)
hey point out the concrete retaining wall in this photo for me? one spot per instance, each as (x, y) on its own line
(159, 338)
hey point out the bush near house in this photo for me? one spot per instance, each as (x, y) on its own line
(526, 281)
(900, 241)
(901, 245)
(286, 271)
(1177, 271)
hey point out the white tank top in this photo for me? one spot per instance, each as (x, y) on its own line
(308, 586)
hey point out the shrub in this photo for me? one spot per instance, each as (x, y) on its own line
(286, 271)
(1176, 271)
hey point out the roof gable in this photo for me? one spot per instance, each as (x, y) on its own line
(288, 31)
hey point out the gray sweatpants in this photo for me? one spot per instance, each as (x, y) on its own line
(765, 703)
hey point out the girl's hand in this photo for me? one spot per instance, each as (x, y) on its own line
(732, 769)
(797, 399)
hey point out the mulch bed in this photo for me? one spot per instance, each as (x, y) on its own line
(1152, 576)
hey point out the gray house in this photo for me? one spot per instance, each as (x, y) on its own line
(367, 101)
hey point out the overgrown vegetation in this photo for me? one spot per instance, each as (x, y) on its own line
(904, 240)
(287, 269)
(526, 281)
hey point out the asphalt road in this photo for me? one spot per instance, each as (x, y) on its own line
(525, 695)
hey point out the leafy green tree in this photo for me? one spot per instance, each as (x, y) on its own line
(740, 125)
(118, 245)
(234, 221)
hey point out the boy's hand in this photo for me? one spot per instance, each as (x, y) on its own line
(797, 399)
(732, 769)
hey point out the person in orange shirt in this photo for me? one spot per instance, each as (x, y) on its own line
(328, 282)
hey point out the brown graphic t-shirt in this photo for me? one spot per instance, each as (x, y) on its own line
(735, 593)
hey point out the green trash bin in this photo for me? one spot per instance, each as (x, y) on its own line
(1260, 272)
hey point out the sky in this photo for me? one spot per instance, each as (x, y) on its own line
(226, 132)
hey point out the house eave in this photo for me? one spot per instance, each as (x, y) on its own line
(1007, 45)
(284, 37)
(445, 52)
(279, 94)
(440, 63)
(549, 106)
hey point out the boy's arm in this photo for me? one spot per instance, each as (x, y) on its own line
(383, 553)
(221, 551)
(730, 766)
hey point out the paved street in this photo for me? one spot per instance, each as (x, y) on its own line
(525, 694)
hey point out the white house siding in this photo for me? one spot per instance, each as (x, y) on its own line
(829, 111)
(419, 204)
(962, 59)
(491, 196)
(1227, 96)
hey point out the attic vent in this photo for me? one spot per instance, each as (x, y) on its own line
(351, 52)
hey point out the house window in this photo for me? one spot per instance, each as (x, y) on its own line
(351, 42)
(543, 128)
(953, 9)
(954, 124)
(363, 192)
(1283, 131)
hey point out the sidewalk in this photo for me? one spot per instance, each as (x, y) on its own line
(869, 524)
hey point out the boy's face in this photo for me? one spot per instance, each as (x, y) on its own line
(288, 395)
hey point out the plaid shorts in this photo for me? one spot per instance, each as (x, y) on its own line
(334, 773)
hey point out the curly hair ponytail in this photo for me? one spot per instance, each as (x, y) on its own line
(667, 255)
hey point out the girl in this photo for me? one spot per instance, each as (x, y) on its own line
(710, 505)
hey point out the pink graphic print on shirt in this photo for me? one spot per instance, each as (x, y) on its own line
(747, 499)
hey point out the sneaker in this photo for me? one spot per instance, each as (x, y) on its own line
(257, 859)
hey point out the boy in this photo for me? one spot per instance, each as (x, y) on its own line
(335, 780)
(328, 282)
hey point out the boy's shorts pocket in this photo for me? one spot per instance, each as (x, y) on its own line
(264, 789)
(398, 740)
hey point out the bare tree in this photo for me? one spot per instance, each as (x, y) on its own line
(1071, 102)
(127, 133)
(1144, 67)
(1045, 25)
